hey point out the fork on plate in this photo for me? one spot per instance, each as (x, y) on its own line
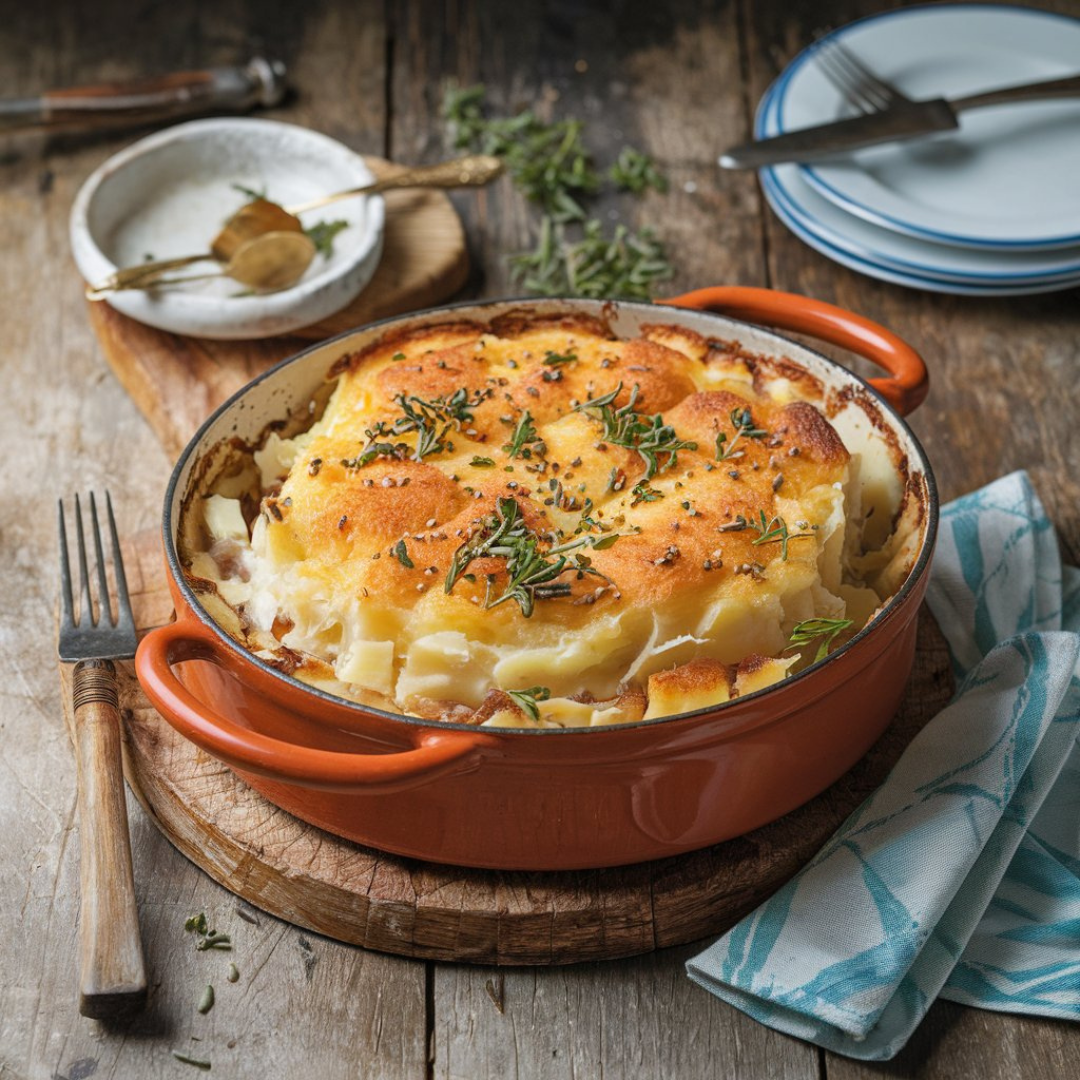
(112, 975)
(859, 85)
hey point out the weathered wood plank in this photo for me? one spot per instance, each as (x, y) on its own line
(635, 1019)
(70, 425)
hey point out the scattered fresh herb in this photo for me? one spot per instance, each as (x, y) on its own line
(482, 463)
(398, 356)
(322, 234)
(531, 572)
(214, 940)
(551, 166)
(548, 162)
(642, 492)
(234, 973)
(606, 541)
(252, 194)
(528, 699)
(648, 435)
(737, 525)
(196, 923)
(624, 265)
(635, 171)
(206, 1002)
(812, 629)
(743, 423)
(401, 553)
(775, 532)
(553, 359)
(148, 256)
(432, 420)
(187, 1059)
(524, 442)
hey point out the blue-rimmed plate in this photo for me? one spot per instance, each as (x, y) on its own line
(904, 255)
(1007, 180)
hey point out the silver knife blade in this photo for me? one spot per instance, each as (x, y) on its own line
(903, 121)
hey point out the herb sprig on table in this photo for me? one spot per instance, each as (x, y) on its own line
(551, 166)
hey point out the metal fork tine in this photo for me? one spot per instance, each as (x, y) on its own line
(850, 82)
(868, 76)
(86, 604)
(65, 569)
(839, 77)
(105, 613)
(124, 614)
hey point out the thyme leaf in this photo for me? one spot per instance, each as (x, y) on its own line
(553, 359)
(811, 629)
(648, 435)
(524, 442)
(743, 423)
(531, 571)
(482, 462)
(528, 699)
(401, 553)
(775, 531)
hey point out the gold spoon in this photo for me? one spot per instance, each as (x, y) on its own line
(264, 263)
(260, 217)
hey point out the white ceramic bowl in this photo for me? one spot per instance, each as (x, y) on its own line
(169, 194)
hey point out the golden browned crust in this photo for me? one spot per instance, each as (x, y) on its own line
(727, 521)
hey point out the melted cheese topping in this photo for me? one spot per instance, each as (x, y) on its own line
(685, 585)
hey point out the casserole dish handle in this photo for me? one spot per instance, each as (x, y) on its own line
(436, 752)
(904, 390)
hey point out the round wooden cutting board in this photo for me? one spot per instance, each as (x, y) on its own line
(308, 877)
(334, 887)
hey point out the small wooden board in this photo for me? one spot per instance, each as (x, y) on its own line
(334, 887)
(177, 381)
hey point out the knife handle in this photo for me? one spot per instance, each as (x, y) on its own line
(1068, 87)
(165, 97)
(112, 974)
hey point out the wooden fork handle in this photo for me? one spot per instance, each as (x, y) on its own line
(112, 976)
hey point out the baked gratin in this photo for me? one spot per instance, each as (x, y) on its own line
(533, 523)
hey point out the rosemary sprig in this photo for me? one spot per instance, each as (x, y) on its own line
(625, 265)
(743, 423)
(551, 166)
(528, 699)
(635, 171)
(648, 435)
(811, 629)
(775, 532)
(548, 162)
(432, 420)
(525, 442)
(531, 572)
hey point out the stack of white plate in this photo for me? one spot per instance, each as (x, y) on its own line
(990, 210)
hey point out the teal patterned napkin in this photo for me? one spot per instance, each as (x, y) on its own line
(960, 876)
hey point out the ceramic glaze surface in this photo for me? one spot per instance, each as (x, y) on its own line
(168, 195)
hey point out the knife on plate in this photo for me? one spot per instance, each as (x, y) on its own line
(904, 120)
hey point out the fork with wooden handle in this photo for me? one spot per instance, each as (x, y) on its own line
(112, 976)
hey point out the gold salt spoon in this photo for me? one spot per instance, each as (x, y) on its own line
(260, 246)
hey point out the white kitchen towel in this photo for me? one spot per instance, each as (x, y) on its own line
(960, 876)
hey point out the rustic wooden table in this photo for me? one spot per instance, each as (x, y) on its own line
(680, 79)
